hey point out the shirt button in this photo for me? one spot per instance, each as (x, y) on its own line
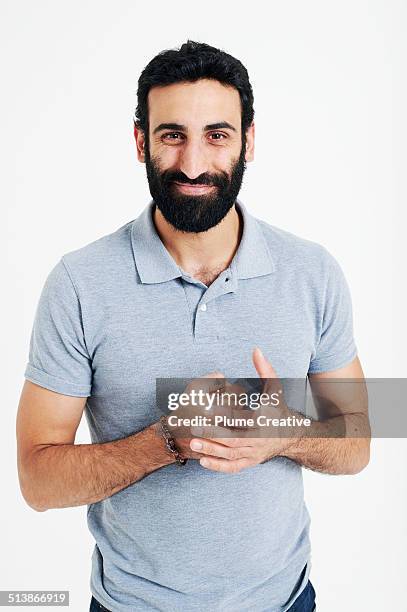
(203, 307)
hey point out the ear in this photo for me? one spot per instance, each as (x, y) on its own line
(249, 156)
(140, 143)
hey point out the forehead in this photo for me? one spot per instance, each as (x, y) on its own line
(202, 102)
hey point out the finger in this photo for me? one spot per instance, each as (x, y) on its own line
(262, 365)
(224, 435)
(235, 388)
(208, 383)
(216, 381)
(265, 370)
(224, 465)
(228, 400)
(216, 449)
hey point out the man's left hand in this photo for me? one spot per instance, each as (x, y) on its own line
(233, 454)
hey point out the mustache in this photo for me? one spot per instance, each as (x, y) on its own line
(203, 179)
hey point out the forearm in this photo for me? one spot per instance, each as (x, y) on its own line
(65, 475)
(325, 447)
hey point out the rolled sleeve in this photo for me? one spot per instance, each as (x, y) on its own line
(58, 356)
(336, 345)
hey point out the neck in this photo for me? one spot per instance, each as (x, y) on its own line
(213, 249)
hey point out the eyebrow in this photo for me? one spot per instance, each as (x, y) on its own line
(178, 126)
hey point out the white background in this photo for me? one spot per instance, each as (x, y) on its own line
(330, 96)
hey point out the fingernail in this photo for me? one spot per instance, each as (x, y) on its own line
(195, 445)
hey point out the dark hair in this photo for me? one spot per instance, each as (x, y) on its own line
(193, 61)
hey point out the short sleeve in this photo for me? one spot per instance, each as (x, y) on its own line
(335, 346)
(58, 357)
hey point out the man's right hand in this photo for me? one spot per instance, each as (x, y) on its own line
(182, 434)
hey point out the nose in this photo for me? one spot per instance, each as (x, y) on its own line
(193, 159)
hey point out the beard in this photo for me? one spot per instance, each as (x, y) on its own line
(189, 213)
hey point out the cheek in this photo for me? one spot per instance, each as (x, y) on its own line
(165, 156)
(223, 158)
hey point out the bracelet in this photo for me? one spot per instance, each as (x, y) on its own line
(170, 443)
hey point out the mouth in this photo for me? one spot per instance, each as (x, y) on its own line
(193, 189)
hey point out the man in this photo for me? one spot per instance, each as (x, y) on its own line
(187, 289)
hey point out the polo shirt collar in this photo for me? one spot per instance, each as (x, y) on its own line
(155, 264)
(253, 257)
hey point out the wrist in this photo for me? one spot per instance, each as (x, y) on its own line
(170, 442)
(293, 446)
(164, 455)
(297, 445)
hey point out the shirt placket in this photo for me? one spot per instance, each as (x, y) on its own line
(205, 303)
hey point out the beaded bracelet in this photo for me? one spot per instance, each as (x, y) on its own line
(170, 442)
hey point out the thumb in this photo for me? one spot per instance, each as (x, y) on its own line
(266, 371)
(263, 366)
(213, 375)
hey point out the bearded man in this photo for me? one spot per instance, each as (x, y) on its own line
(194, 286)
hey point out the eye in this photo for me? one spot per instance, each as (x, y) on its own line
(174, 136)
(218, 136)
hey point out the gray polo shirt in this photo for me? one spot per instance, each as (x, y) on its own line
(118, 313)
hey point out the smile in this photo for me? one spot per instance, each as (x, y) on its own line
(187, 188)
